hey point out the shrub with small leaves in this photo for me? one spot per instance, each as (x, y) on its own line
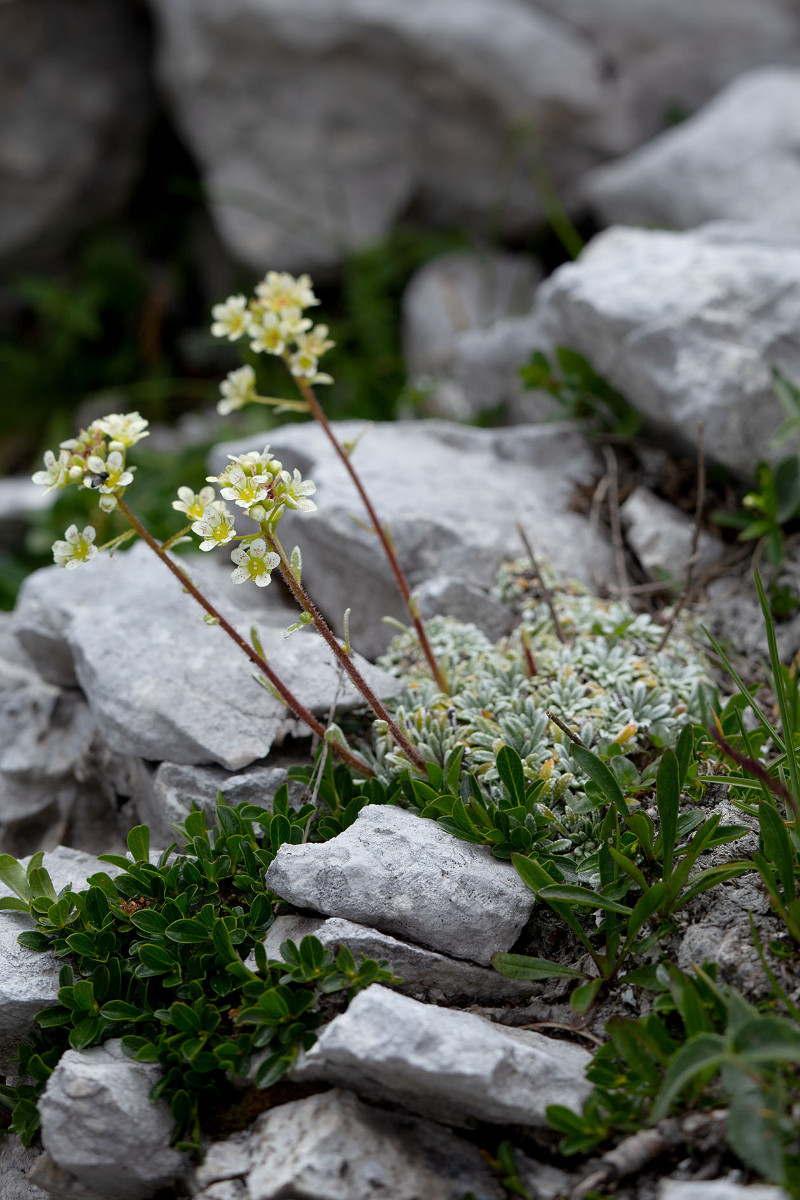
(157, 956)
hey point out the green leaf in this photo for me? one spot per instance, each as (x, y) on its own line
(509, 768)
(668, 795)
(189, 932)
(272, 1069)
(85, 1032)
(82, 943)
(13, 904)
(643, 910)
(139, 843)
(767, 1039)
(703, 1053)
(119, 1010)
(602, 776)
(520, 966)
(223, 945)
(13, 875)
(156, 959)
(41, 884)
(753, 1125)
(683, 754)
(584, 996)
(777, 846)
(640, 824)
(569, 894)
(184, 1018)
(95, 906)
(151, 923)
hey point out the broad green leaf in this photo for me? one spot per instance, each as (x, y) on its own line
(520, 966)
(149, 922)
(629, 867)
(777, 846)
(41, 884)
(119, 1010)
(584, 996)
(156, 958)
(272, 1069)
(643, 910)
(767, 1039)
(139, 843)
(95, 906)
(85, 1032)
(703, 1053)
(509, 768)
(531, 872)
(223, 945)
(190, 931)
(13, 904)
(754, 1123)
(640, 824)
(184, 1018)
(597, 770)
(82, 943)
(13, 875)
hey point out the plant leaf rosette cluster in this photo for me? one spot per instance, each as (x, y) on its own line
(158, 956)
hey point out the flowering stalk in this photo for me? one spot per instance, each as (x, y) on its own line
(288, 697)
(275, 323)
(317, 411)
(307, 604)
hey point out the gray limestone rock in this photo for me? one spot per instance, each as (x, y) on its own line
(451, 496)
(459, 292)
(29, 979)
(74, 110)
(164, 795)
(332, 1146)
(661, 536)
(316, 130)
(409, 877)
(736, 159)
(100, 1127)
(445, 1064)
(16, 1161)
(718, 1189)
(426, 975)
(687, 326)
(160, 682)
(448, 597)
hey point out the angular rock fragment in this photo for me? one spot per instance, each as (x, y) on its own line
(661, 536)
(408, 876)
(425, 974)
(687, 326)
(100, 1127)
(445, 1064)
(718, 1189)
(332, 1146)
(735, 160)
(172, 688)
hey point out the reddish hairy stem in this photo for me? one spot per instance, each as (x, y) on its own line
(307, 604)
(402, 583)
(287, 696)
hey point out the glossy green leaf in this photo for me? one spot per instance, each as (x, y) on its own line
(703, 1053)
(139, 843)
(597, 770)
(520, 966)
(189, 931)
(668, 795)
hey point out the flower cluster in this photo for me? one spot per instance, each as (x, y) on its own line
(257, 483)
(95, 459)
(273, 320)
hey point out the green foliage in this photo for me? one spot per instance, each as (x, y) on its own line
(774, 504)
(156, 956)
(582, 394)
(702, 1046)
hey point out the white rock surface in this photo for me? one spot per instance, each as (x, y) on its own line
(663, 61)
(74, 109)
(661, 536)
(458, 292)
(161, 683)
(409, 877)
(100, 1127)
(738, 159)
(332, 1146)
(28, 978)
(718, 1189)
(687, 326)
(15, 1162)
(425, 974)
(445, 1064)
(448, 597)
(316, 130)
(451, 496)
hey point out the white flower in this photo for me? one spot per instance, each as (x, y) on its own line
(245, 490)
(310, 347)
(316, 341)
(125, 428)
(293, 491)
(303, 364)
(268, 333)
(253, 463)
(253, 562)
(231, 319)
(237, 390)
(280, 291)
(193, 504)
(215, 527)
(107, 503)
(78, 547)
(56, 472)
(109, 474)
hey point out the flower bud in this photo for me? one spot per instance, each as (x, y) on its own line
(257, 512)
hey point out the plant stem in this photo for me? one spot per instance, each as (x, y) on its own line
(307, 605)
(307, 393)
(258, 660)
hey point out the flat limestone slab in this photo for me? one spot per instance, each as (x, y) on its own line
(408, 876)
